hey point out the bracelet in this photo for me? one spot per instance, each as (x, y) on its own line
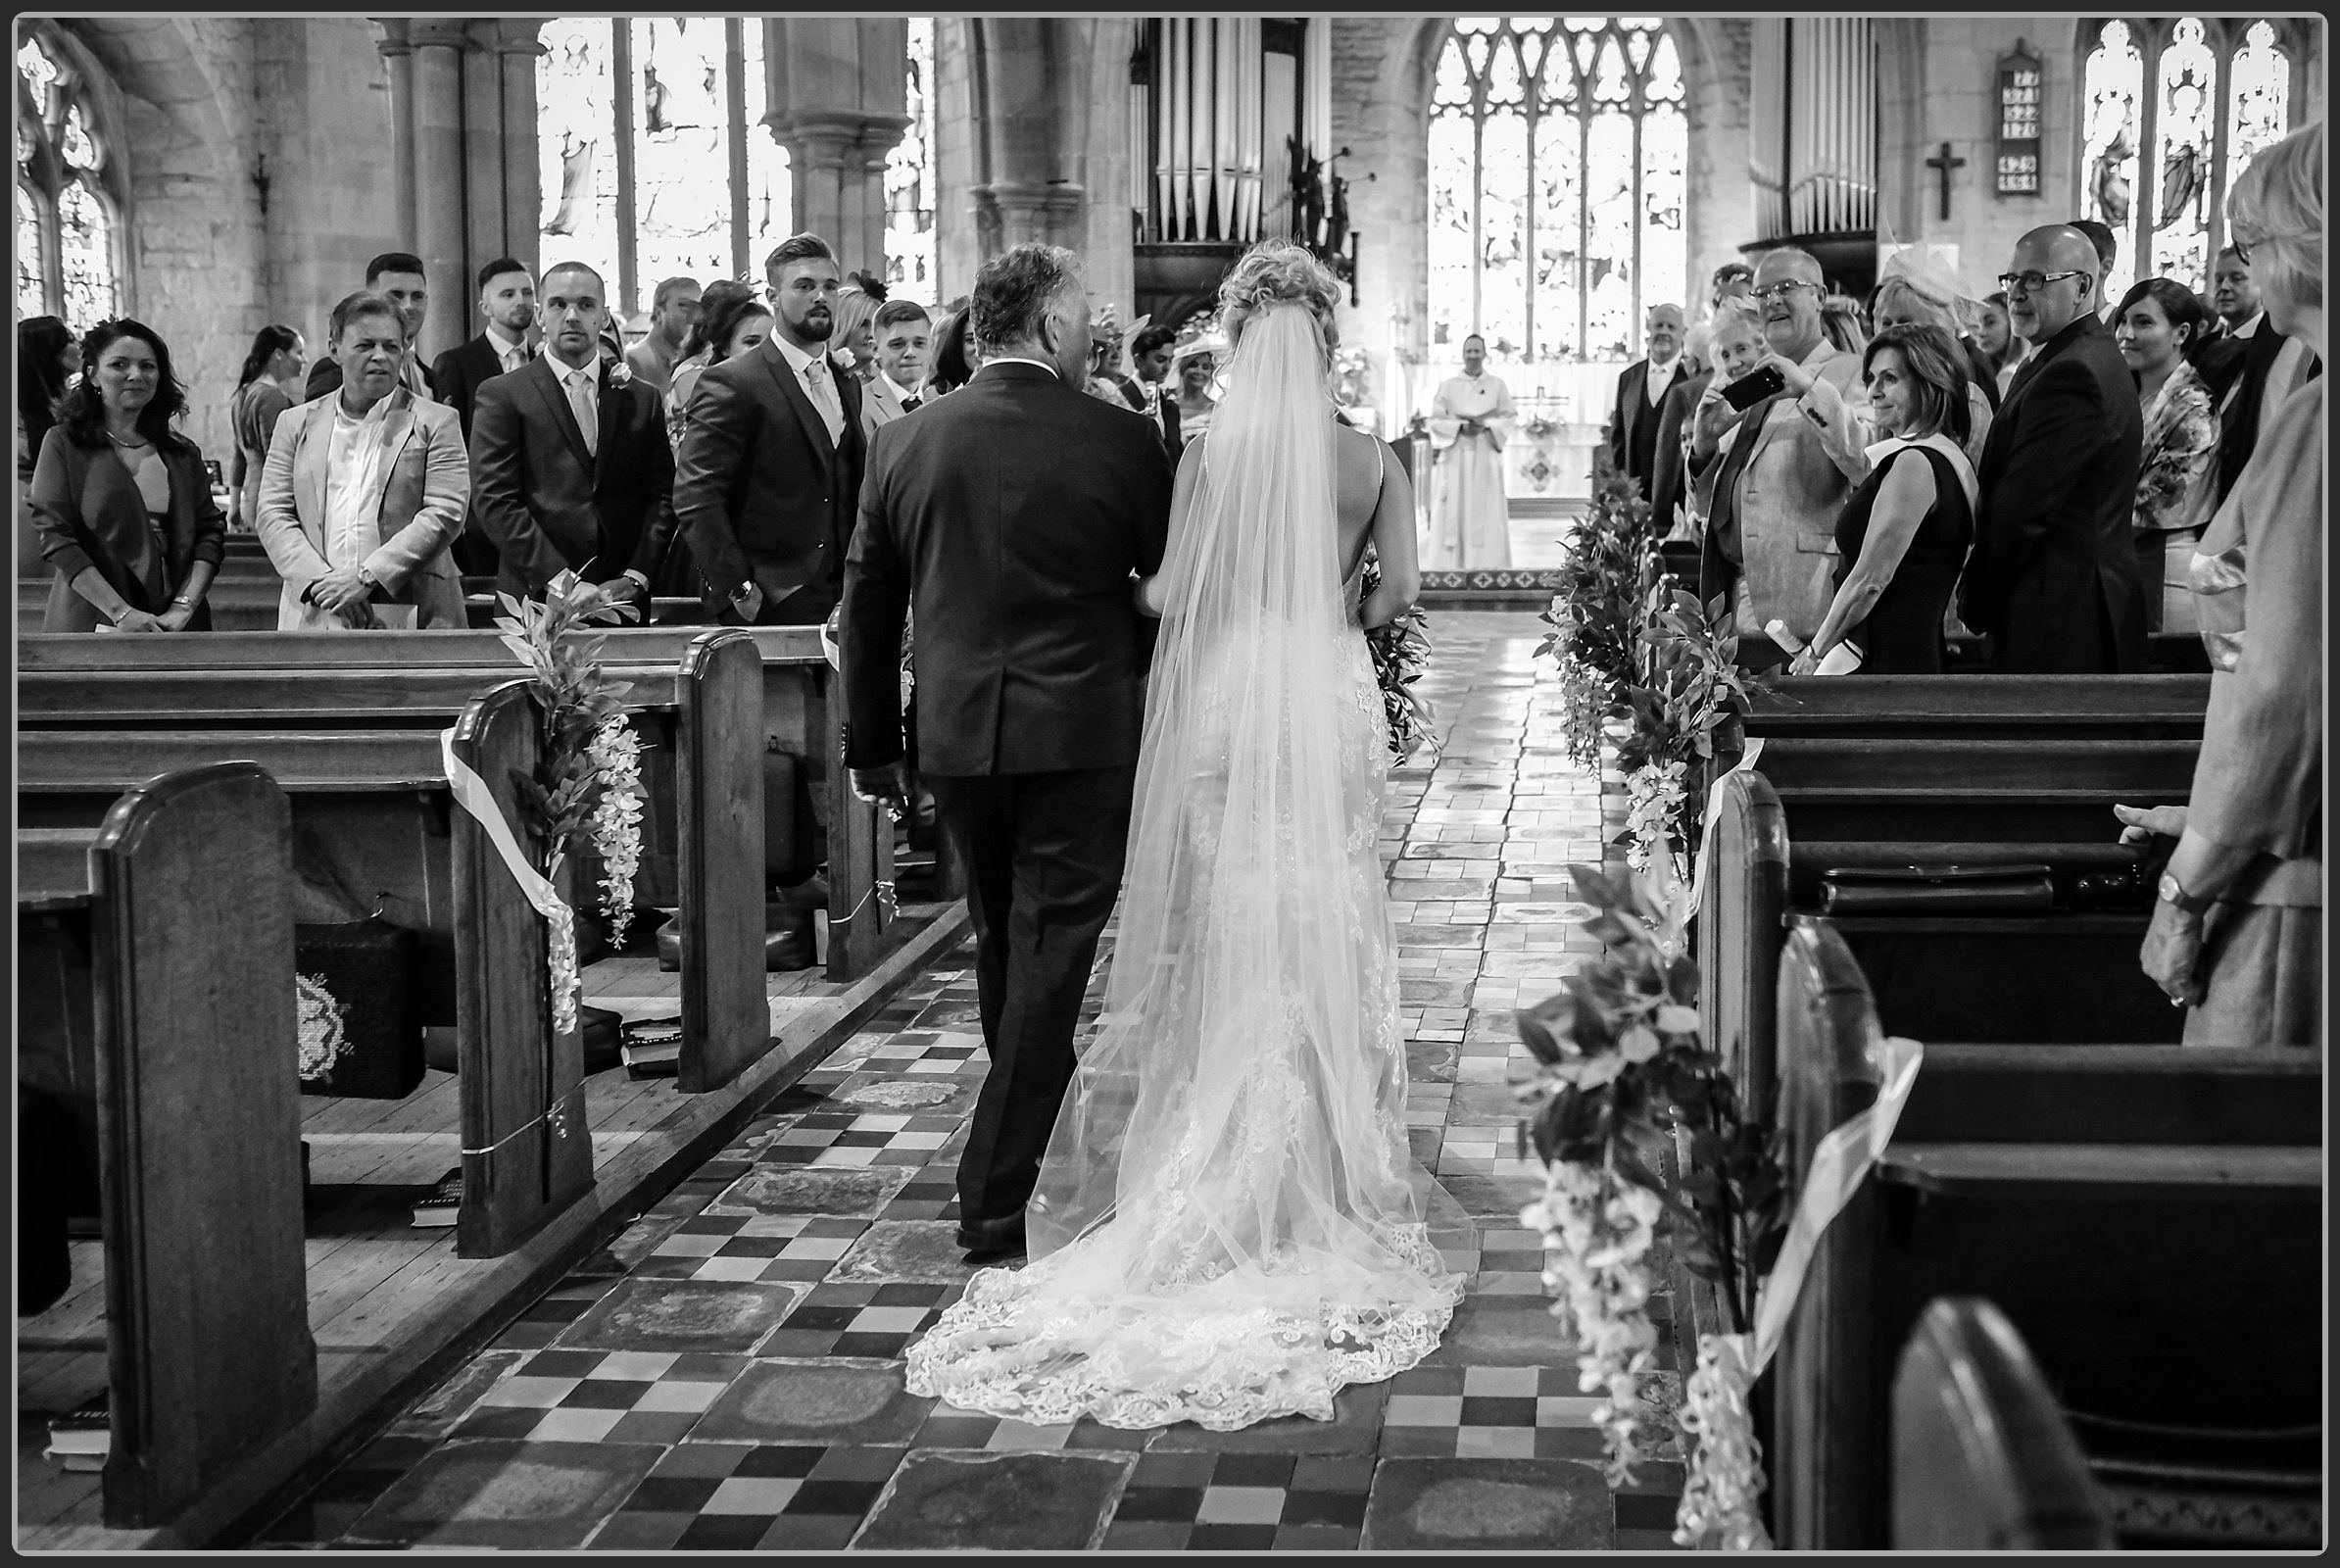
(118, 616)
(184, 601)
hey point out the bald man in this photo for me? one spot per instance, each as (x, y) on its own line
(1771, 538)
(1632, 435)
(2054, 576)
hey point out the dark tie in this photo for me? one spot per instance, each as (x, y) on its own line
(909, 404)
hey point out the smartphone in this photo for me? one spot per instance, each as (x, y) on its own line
(1753, 387)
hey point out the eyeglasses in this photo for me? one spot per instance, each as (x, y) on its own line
(2242, 252)
(1781, 291)
(2033, 282)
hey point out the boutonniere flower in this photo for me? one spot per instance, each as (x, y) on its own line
(620, 373)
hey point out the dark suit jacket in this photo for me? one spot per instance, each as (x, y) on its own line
(1633, 433)
(758, 490)
(1669, 480)
(546, 502)
(1172, 442)
(2238, 422)
(87, 513)
(456, 375)
(2054, 576)
(1009, 515)
(1981, 371)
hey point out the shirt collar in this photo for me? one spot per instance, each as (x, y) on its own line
(1959, 463)
(796, 357)
(372, 415)
(1018, 359)
(902, 394)
(563, 371)
(2250, 329)
(504, 345)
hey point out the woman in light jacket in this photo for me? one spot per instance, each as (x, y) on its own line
(365, 492)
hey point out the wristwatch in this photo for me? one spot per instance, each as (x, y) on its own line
(2172, 892)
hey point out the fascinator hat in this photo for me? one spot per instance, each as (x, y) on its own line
(1927, 273)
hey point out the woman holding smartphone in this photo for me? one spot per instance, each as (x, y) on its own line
(1904, 534)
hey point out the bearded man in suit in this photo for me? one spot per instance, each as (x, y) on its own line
(570, 463)
(1013, 515)
(770, 459)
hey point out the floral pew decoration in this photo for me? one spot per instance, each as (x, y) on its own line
(1638, 1125)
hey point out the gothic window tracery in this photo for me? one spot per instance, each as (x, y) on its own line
(68, 232)
(2171, 111)
(910, 178)
(1557, 150)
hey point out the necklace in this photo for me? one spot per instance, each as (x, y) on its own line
(133, 444)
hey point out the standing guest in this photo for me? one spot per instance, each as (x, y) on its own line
(1641, 387)
(2054, 576)
(1918, 289)
(508, 308)
(1904, 534)
(1669, 474)
(852, 345)
(672, 310)
(1196, 364)
(396, 277)
(119, 500)
(731, 321)
(48, 358)
(771, 461)
(2001, 348)
(1712, 425)
(1107, 378)
(2252, 383)
(569, 466)
(262, 393)
(1841, 325)
(1770, 540)
(1731, 280)
(2107, 245)
(1469, 515)
(366, 489)
(2237, 932)
(1010, 520)
(904, 335)
(1150, 353)
(2160, 328)
(955, 358)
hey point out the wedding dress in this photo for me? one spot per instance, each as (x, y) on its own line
(1224, 1230)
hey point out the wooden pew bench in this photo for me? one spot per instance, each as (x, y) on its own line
(799, 733)
(700, 773)
(2138, 1212)
(156, 997)
(2007, 707)
(375, 807)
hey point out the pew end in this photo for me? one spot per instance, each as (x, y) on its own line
(1983, 1458)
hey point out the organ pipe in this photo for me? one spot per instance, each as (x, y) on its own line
(1210, 115)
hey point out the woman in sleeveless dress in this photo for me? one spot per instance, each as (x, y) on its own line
(1903, 536)
(1225, 1229)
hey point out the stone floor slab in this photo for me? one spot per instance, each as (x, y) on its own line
(827, 1401)
(1354, 1429)
(904, 1251)
(683, 1315)
(1429, 1504)
(831, 1191)
(1022, 1501)
(1503, 1331)
(508, 1496)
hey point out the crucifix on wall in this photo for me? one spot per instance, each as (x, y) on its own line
(1945, 163)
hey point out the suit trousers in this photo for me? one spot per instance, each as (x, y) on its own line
(1043, 854)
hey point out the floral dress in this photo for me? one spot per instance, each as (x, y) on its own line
(2177, 490)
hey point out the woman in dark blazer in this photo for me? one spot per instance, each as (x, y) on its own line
(119, 500)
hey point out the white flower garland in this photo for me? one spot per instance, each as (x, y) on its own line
(1717, 1509)
(560, 962)
(616, 825)
(1597, 1230)
(1656, 792)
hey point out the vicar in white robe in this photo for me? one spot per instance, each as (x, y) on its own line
(1470, 419)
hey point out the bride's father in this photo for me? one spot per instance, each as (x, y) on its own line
(1010, 516)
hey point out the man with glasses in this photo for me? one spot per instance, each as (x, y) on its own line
(2054, 576)
(1771, 539)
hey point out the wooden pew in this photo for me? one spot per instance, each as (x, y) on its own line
(173, 908)
(374, 806)
(1983, 1459)
(2120, 1203)
(800, 729)
(2008, 706)
(700, 773)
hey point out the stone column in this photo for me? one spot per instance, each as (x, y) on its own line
(399, 50)
(438, 182)
(840, 80)
(523, 178)
(483, 158)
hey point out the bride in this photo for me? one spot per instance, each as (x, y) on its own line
(1224, 1231)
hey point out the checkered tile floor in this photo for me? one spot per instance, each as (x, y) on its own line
(726, 1375)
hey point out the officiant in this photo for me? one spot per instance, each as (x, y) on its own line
(1470, 419)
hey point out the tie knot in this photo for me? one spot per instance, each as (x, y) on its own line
(813, 369)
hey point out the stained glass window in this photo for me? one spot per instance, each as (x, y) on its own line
(1557, 147)
(2170, 111)
(909, 177)
(69, 233)
(640, 175)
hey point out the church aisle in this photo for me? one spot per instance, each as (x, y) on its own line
(727, 1374)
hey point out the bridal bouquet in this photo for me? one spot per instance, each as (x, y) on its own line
(1400, 654)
